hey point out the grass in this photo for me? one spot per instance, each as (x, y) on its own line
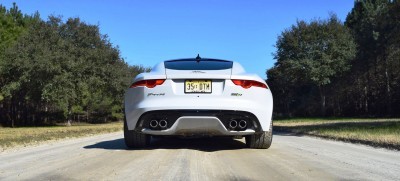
(374, 132)
(11, 137)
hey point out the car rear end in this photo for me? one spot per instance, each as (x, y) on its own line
(206, 97)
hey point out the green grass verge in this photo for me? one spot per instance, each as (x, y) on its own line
(11, 137)
(374, 132)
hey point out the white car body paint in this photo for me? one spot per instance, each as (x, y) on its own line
(225, 96)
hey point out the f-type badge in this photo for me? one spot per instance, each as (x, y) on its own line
(152, 94)
(236, 94)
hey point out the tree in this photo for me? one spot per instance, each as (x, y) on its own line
(313, 54)
(13, 24)
(54, 70)
(375, 26)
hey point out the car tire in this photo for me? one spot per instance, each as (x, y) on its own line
(135, 139)
(260, 140)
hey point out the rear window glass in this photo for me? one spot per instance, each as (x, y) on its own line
(198, 65)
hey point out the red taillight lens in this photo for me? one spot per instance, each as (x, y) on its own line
(148, 83)
(249, 83)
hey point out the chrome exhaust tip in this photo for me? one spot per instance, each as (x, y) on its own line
(242, 124)
(163, 124)
(153, 123)
(233, 124)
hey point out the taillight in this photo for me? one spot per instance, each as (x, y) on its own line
(249, 83)
(148, 83)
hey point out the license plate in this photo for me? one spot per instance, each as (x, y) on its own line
(198, 86)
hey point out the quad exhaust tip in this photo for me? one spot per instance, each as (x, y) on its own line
(233, 124)
(163, 124)
(238, 125)
(153, 124)
(157, 124)
(242, 124)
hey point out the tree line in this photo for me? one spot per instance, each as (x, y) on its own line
(330, 68)
(54, 70)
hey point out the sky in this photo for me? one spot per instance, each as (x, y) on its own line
(151, 31)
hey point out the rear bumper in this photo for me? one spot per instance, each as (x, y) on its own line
(197, 122)
(262, 116)
(197, 125)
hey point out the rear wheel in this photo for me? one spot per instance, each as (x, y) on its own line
(260, 140)
(135, 139)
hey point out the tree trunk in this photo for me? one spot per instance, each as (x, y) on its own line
(69, 116)
(13, 113)
(366, 99)
(46, 109)
(87, 114)
(388, 96)
(323, 100)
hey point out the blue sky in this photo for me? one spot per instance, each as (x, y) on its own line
(148, 32)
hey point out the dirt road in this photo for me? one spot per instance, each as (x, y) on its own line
(290, 157)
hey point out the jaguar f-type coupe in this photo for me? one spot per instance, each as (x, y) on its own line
(198, 97)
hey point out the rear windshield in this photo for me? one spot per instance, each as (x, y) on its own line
(198, 65)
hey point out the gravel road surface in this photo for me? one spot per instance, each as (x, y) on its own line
(104, 157)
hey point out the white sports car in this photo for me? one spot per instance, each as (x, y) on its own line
(198, 97)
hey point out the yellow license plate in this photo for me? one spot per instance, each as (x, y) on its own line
(198, 86)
